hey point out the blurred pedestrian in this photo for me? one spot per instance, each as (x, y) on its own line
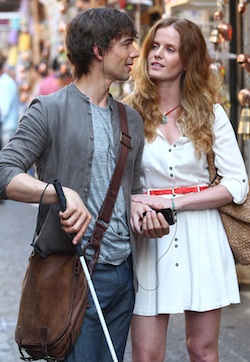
(9, 104)
(57, 78)
(37, 72)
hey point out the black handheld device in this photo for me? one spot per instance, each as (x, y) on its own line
(62, 202)
(60, 194)
(167, 213)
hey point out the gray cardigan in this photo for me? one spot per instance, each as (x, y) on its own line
(56, 134)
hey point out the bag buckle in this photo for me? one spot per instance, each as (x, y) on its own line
(125, 139)
(101, 221)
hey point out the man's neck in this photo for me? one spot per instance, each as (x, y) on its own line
(97, 96)
(95, 84)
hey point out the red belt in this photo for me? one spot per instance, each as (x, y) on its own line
(176, 190)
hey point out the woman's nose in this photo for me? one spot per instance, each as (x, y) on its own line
(159, 52)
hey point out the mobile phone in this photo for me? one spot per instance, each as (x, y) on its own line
(167, 213)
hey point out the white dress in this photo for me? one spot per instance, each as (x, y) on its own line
(192, 268)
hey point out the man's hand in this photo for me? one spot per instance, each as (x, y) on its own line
(76, 218)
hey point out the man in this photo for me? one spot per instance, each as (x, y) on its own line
(8, 105)
(73, 135)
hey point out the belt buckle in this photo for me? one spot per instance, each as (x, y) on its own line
(173, 192)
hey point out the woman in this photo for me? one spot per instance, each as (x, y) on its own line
(191, 270)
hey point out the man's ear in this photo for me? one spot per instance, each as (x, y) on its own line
(97, 52)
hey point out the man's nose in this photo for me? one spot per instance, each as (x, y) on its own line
(135, 53)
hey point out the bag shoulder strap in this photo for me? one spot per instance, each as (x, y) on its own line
(110, 198)
(103, 218)
(214, 177)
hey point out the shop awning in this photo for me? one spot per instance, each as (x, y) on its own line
(9, 5)
(189, 4)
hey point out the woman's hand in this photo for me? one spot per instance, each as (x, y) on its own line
(155, 202)
(76, 218)
(152, 225)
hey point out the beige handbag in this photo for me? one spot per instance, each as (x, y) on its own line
(236, 220)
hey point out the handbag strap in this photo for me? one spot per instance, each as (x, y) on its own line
(103, 218)
(214, 177)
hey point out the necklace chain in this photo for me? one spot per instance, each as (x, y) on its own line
(165, 117)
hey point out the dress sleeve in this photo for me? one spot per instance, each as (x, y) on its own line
(228, 158)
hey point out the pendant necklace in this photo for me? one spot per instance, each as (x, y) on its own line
(165, 117)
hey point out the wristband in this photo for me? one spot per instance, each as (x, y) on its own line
(173, 205)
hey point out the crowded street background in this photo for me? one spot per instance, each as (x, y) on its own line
(33, 61)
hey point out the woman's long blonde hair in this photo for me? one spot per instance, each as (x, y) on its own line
(200, 87)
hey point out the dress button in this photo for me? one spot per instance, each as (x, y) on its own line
(170, 150)
(171, 175)
(174, 146)
(171, 168)
(177, 264)
(176, 246)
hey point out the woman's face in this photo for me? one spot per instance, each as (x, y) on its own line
(164, 64)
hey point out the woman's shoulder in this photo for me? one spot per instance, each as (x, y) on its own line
(219, 109)
(221, 118)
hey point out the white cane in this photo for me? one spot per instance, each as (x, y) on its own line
(62, 201)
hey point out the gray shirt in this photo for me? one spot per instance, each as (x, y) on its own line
(56, 133)
(116, 241)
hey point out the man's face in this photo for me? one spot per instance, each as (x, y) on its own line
(119, 59)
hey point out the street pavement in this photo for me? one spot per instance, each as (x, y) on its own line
(17, 224)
